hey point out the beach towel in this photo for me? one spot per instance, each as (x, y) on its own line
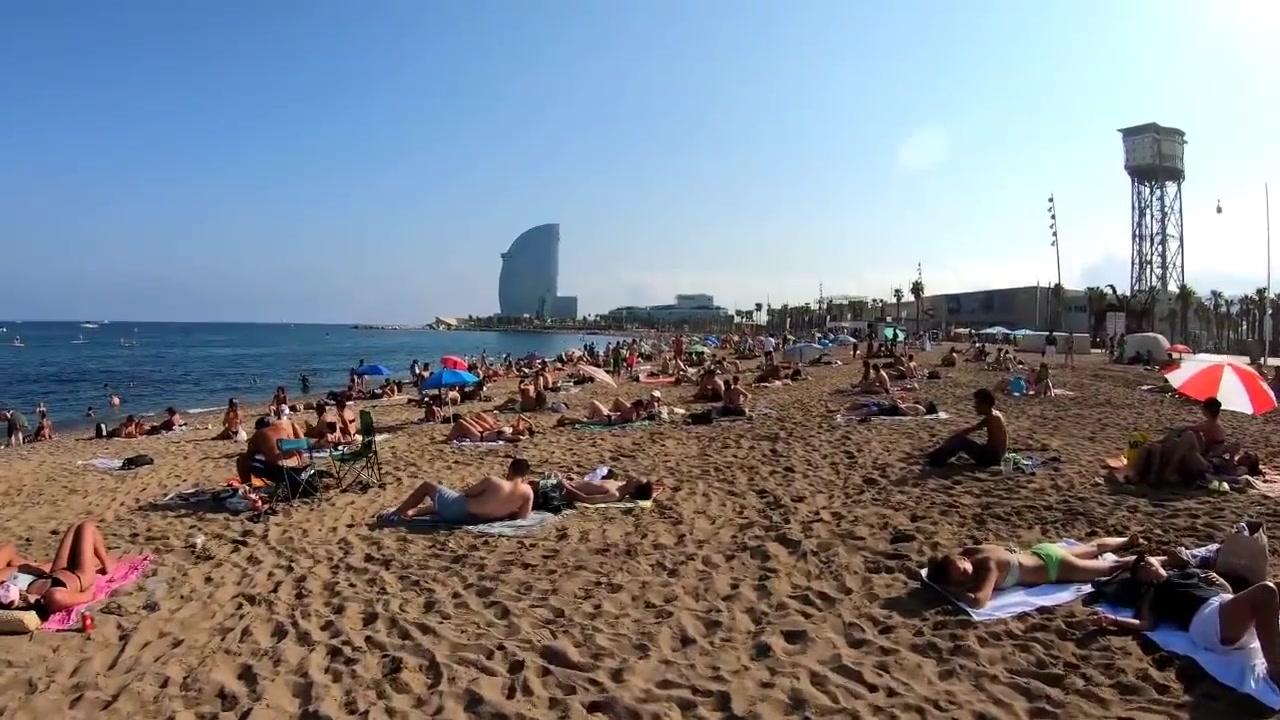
(607, 428)
(126, 571)
(466, 444)
(1018, 600)
(194, 496)
(1242, 670)
(842, 418)
(506, 528)
(110, 464)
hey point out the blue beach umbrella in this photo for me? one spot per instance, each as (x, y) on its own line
(441, 379)
(374, 370)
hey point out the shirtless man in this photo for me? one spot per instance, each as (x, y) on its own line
(985, 454)
(492, 498)
(772, 374)
(606, 490)
(887, 408)
(710, 386)
(735, 399)
(879, 383)
(172, 422)
(262, 456)
(529, 400)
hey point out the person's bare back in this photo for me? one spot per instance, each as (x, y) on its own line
(264, 442)
(498, 499)
(997, 432)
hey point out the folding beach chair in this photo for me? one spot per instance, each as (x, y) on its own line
(289, 483)
(359, 467)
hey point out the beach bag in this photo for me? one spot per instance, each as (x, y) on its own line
(136, 461)
(549, 496)
(100, 431)
(1243, 553)
(701, 417)
(241, 435)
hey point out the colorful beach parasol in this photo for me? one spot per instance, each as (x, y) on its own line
(453, 362)
(1238, 387)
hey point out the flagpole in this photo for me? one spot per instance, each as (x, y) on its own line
(1266, 342)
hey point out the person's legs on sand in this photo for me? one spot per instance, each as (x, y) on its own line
(1258, 609)
(1092, 549)
(411, 507)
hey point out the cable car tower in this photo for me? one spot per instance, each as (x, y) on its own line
(1153, 159)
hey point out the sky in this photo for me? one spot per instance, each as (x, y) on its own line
(337, 161)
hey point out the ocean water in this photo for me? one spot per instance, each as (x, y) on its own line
(198, 366)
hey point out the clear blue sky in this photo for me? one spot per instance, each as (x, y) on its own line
(368, 161)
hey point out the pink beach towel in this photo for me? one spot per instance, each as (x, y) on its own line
(126, 571)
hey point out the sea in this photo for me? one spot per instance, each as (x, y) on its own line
(197, 367)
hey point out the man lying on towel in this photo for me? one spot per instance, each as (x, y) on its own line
(975, 573)
(1201, 603)
(489, 499)
(598, 414)
(263, 458)
(985, 454)
(608, 489)
(888, 408)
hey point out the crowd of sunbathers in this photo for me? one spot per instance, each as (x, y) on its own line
(1192, 455)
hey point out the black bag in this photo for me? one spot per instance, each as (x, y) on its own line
(100, 431)
(702, 417)
(136, 461)
(549, 496)
(302, 482)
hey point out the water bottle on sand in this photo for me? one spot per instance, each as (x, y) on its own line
(1006, 464)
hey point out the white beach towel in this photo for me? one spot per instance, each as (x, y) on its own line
(463, 444)
(103, 463)
(1242, 670)
(1018, 600)
(842, 418)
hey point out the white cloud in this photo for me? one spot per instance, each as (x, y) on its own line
(923, 149)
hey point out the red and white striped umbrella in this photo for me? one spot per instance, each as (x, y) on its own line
(1238, 387)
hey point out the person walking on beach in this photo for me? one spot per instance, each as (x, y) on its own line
(1050, 347)
(767, 345)
(17, 425)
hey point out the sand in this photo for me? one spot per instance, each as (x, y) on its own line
(770, 580)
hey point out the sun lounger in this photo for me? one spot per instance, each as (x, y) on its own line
(1243, 670)
(1018, 600)
(508, 528)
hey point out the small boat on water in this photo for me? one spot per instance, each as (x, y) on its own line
(80, 341)
(87, 324)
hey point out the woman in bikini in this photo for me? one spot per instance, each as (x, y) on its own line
(483, 427)
(66, 582)
(232, 425)
(976, 572)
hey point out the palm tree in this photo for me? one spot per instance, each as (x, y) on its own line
(1056, 297)
(759, 308)
(1184, 300)
(1216, 299)
(1228, 317)
(898, 295)
(917, 294)
(1260, 306)
(1096, 300)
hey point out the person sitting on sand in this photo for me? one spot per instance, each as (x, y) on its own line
(262, 456)
(1041, 383)
(608, 489)
(710, 386)
(1185, 455)
(735, 399)
(949, 359)
(598, 414)
(279, 398)
(985, 454)
(529, 400)
(492, 498)
(173, 421)
(483, 427)
(232, 424)
(128, 429)
(327, 431)
(1202, 604)
(66, 582)
(44, 427)
(973, 574)
(877, 385)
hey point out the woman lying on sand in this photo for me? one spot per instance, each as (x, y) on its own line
(598, 414)
(887, 408)
(483, 427)
(66, 582)
(1187, 455)
(975, 573)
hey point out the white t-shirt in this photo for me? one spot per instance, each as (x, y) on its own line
(768, 344)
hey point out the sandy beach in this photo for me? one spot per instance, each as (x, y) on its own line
(772, 578)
